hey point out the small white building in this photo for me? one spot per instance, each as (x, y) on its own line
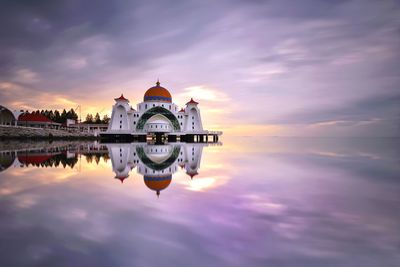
(8, 117)
(156, 115)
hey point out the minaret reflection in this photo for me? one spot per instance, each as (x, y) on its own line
(122, 160)
(155, 162)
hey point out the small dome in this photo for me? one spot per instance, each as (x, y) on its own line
(157, 93)
(121, 98)
(192, 102)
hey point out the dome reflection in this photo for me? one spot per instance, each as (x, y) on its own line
(156, 163)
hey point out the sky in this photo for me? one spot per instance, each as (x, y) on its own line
(280, 68)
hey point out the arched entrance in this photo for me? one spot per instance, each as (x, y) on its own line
(158, 111)
(158, 166)
(6, 116)
(158, 124)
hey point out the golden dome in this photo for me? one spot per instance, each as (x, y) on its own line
(157, 183)
(157, 93)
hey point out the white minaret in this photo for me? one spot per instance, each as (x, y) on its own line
(120, 117)
(193, 120)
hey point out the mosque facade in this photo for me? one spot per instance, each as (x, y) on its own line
(159, 117)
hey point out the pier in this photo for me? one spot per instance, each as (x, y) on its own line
(193, 137)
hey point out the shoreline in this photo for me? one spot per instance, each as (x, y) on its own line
(21, 133)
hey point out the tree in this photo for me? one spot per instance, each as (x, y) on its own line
(71, 114)
(89, 118)
(97, 119)
(64, 116)
(57, 116)
(106, 119)
(74, 116)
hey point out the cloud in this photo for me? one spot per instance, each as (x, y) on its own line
(204, 93)
(276, 62)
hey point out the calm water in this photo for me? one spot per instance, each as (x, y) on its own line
(249, 202)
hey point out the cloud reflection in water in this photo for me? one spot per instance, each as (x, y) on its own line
(279, 202)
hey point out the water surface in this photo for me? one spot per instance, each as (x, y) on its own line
(249, 202)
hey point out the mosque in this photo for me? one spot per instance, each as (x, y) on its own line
(159, 118)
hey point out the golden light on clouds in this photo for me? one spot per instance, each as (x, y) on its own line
(202, 92)
(215, 105)
(39, 100)
(62, 101)
(201, 184)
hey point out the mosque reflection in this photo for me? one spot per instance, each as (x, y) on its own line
(155, 162)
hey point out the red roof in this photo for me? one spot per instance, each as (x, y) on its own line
(121, 178)
(182, 110)
(33, 159)
(192, 102)
(192, 174)
(121, 98)
(34, 117)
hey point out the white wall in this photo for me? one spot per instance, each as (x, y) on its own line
(193, 119)
(119, 118)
